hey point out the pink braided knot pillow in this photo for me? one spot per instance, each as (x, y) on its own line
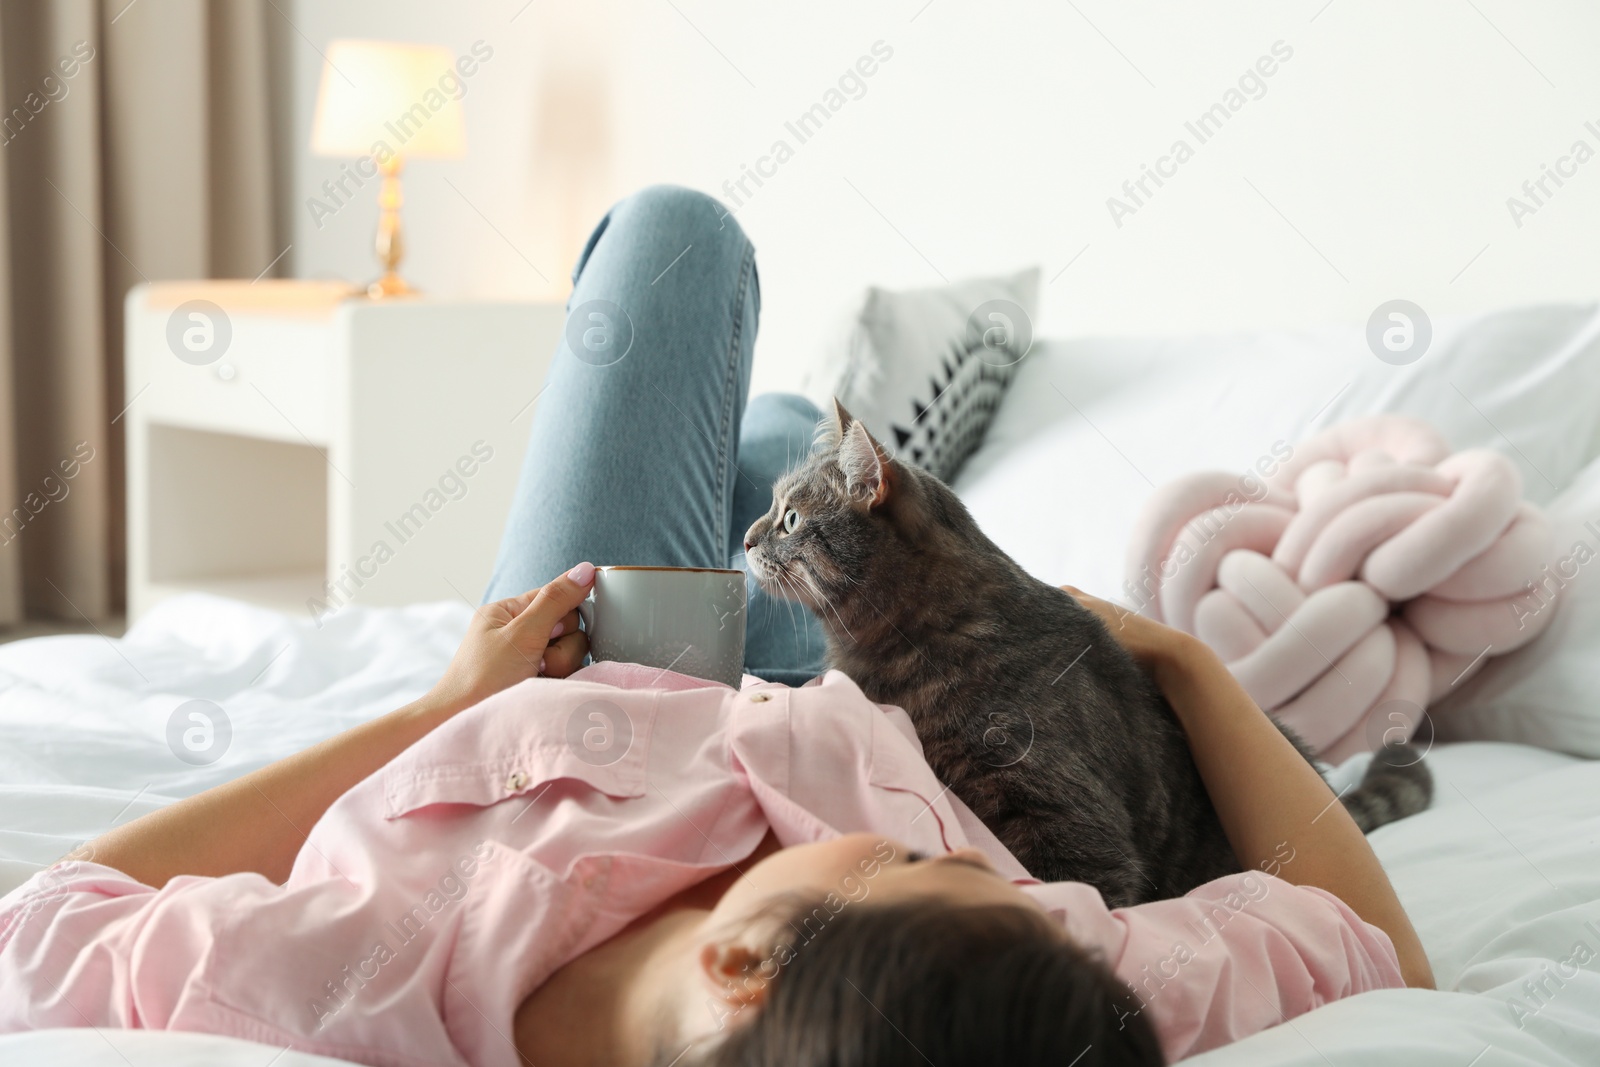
(1366, 573)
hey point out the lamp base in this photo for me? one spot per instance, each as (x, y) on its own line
(390, 245)
(390, 285)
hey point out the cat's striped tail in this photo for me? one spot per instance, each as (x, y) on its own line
(1396, 784)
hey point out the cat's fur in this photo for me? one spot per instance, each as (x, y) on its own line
(1024, 703)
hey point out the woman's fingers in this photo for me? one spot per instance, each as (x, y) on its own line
(550, 619)
(552, 604)
(565, 654)
(567, 625)
(568, 645)
(514, 605)
(1113, 615)
(1146, 639)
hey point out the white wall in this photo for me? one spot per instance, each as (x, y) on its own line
(1377, 164)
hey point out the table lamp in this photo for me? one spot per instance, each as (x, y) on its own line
(384, 102)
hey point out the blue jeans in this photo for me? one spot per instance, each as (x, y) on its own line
(643, 450)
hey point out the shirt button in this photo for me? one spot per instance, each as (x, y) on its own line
(515, 781)
(758, 698)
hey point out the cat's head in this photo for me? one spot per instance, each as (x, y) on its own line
(846, 518)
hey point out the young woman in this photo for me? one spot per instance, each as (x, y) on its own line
(537, 864)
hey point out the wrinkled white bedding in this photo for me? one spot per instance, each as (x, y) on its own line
(1501, 877)
(83, 720)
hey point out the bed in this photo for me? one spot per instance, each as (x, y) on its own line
(1501, 876)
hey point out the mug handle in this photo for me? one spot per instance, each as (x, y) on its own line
(586, 617)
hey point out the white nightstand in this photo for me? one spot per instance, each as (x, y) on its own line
(338, 450)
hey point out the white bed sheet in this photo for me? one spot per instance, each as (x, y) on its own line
(1501, 877)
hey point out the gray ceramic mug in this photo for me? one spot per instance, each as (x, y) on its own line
(689, 620)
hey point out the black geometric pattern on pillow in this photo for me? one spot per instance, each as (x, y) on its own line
(947, 422)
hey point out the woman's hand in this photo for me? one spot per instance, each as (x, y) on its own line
(534, 633)
(1154, 646)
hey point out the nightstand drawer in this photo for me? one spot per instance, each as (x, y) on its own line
(271, 380)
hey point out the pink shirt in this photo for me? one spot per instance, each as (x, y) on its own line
(434, 896)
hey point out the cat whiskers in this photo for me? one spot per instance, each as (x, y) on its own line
(790, 594)
(816, 591)
(797, 624)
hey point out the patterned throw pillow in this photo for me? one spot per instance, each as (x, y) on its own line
(925, 369)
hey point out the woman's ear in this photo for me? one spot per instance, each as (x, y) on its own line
(732, 969)
(865, 464)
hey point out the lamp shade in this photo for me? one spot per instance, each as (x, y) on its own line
(389, 96)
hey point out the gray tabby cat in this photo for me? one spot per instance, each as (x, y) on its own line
(1024, 703)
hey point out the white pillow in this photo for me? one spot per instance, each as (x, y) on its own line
(925, 369)
(1547, 693)
(1090, 427)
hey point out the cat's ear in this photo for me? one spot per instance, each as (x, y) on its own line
(841, 418)
(831, 428)
(865, 465)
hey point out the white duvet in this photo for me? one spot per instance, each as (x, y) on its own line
(1501, 877)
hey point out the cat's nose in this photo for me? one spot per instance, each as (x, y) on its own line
(748, 544)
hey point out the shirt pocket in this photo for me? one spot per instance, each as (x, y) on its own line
(507, 749)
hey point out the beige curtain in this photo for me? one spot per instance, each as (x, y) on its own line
(134, 146)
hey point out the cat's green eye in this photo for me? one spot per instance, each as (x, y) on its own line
(791, 519)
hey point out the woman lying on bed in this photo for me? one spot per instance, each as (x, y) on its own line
(769, 876)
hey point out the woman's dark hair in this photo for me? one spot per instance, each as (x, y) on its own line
(922, 982)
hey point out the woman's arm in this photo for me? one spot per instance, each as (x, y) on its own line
(258, 822)
(1265, 792)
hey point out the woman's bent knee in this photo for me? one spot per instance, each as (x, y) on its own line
(790, 411)
(685, 214)
(666, 232)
